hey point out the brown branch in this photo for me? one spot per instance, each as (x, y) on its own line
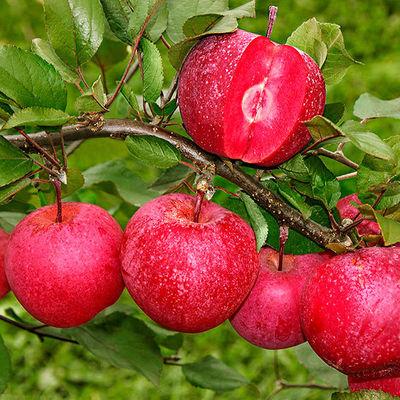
(337, 155)
(277, 207)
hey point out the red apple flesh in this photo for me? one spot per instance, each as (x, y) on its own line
(188, 276)
(347, 210)
(350, 312)
(269, 317)
(390, 384)
(4, 286)
(243, 96)
(65, 273)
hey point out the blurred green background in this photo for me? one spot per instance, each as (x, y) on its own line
(53, 370)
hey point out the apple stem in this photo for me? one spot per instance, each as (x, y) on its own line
(57, 187)
(197, 207)
(283, 236)
(271, 19)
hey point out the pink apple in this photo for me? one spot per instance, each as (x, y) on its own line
(4, 287)
(347, 210)
(350, 312)
(390, 384)
(188, 276)
(269, 317)
(243, 96)
(65, 273)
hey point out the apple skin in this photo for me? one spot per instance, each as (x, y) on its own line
(4, 286)
(350, 312)
(269, 317)
(390, 384)
(65, 273)
(188, 276)
(347, 210)
(238, 108)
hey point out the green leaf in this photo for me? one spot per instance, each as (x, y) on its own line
(5, 366)
(296, 168)
(334, 112)
(29, 80)
(130, 186)
(75, 29)
(166, 338)
(38, 116)
(257, 220)
(158, 23)
(6, 192)
(318, 368)
(294, 198)
(308, 38)
(170, 178)
(394, 143)
(391, 197)
(178, 53)
(118, 14)
(153, 151)
(123, 341)
(9, 220)
(14, 164)
(130, 96)
(181, 10)
(245, 10)
(368, 142)
(94, 101)
(321, 128)
(237, 206)
(75, 181)
(5, 111)
(368, 106)
(390, 229)
(153, 75)
(43, 49)
(325, 186)
(138, 17)
(364, 395)
(211, 373)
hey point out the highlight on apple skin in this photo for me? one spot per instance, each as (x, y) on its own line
(4, 286)
(270, 315)
(243, 96)
(188, 276)
(64, 273)
(350, 312)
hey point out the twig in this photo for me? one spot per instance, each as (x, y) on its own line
(36, 330)
(337, 156)
(103, 72)
(132, 71)
(167, 45)
(347, 176)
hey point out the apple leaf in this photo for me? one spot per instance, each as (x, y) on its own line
(394, 143)
(75, 29)
(14, 163)
(153, 151)
(138, 17)
(363, 395)
(321, 128)
(334, 112)
(368, 107)
(118, 14)
(391, 196)
(130, 187)
(123, 341)
(318, 368)
(29, 80)
(158, 23)
(130, 96)
(164, 337)
(294, 198)
(368, 142)
(9, 220)
(38, 116)
(296, 168)
(257, 220)
(153, 75)
(211, 373)
(170, 178)
(93, 101)
(5, 366)
(43, 49)
(6, 192)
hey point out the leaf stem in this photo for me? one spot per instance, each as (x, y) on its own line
(57, 187)
(197, 207)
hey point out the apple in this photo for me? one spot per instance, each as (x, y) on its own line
(269, 317)
(390, 384)
(4, 286)
(64, 273)
(245, 97)
(188, 276)
(350, 312)
(347, 210)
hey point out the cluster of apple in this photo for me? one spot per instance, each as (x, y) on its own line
(190, 268)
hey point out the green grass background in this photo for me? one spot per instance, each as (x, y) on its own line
(54, 370)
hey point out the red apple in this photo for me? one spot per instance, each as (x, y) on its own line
(269, 317)
(4, 287)
(188, 276)
(350, 312)
(243, 96)
(390, 384)
(65, 273)
(347, 210)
